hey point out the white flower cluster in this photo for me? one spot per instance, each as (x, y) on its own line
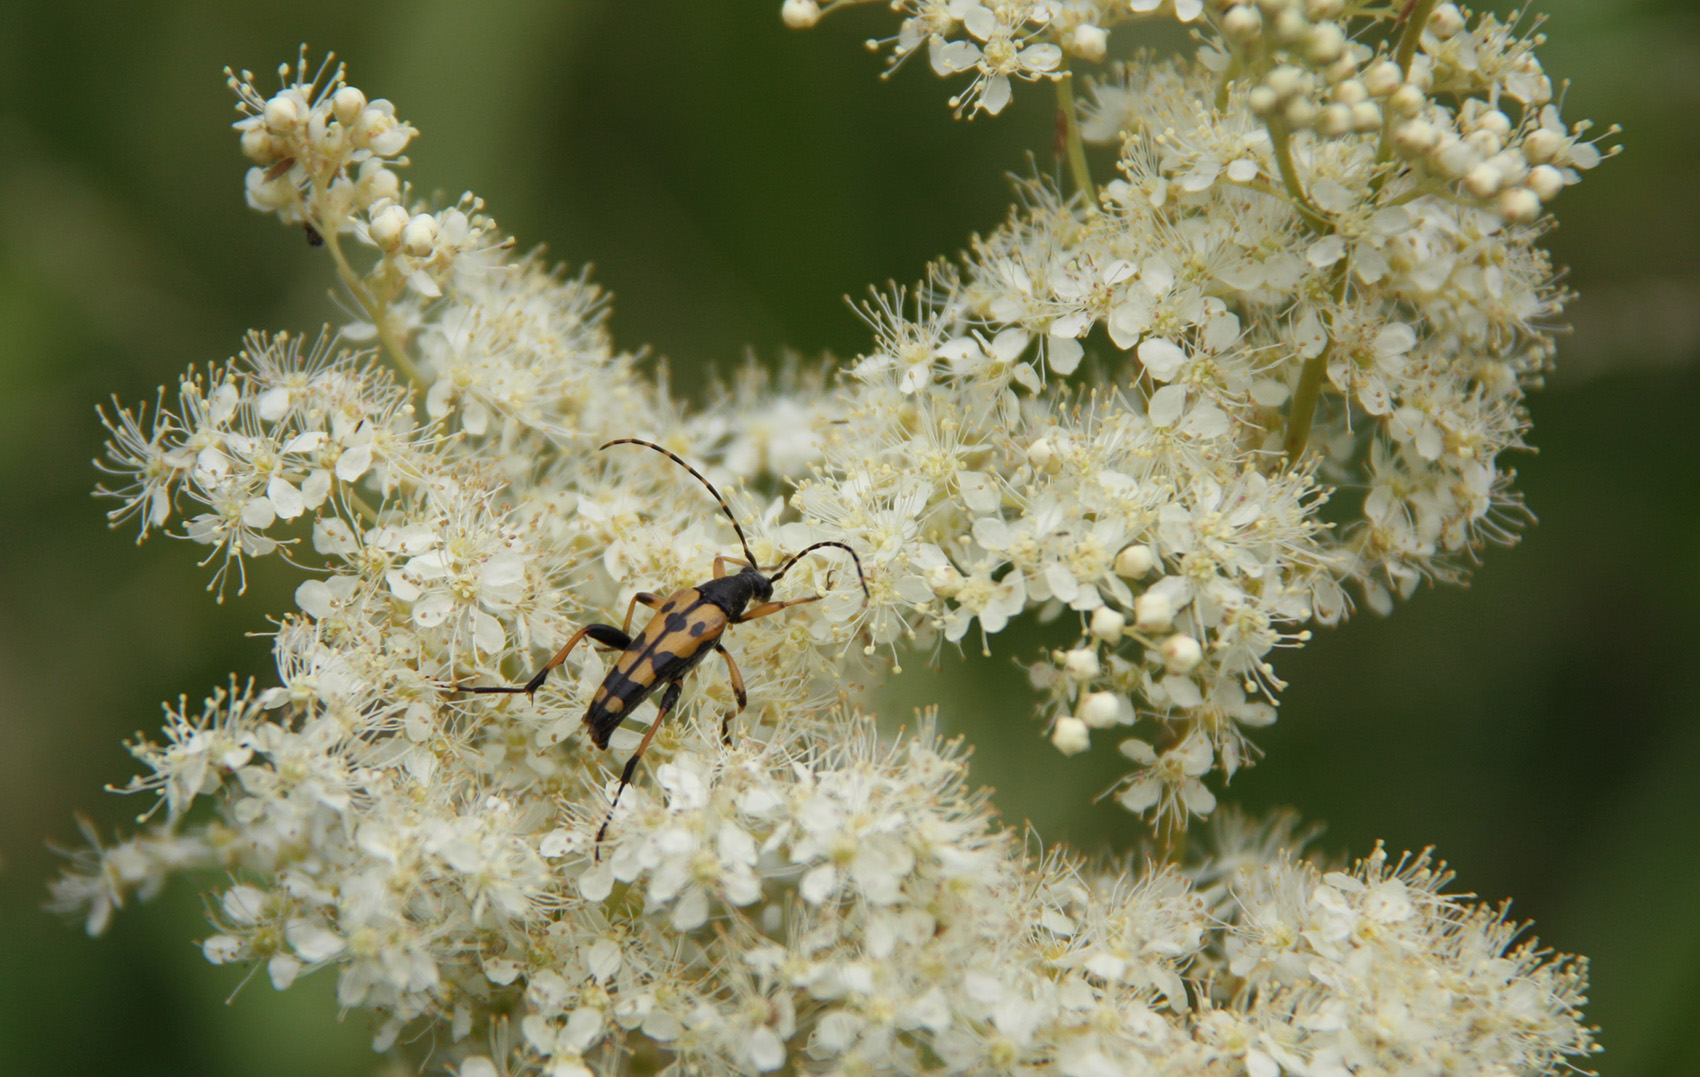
(813, 896)
(1284, 293)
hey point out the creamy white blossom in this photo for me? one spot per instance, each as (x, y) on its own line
(1123, 410)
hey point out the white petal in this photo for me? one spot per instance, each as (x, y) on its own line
(1163, 359)
(285, 498)
(818, 884)
(432, 610)
(1063, 354)
(1166, 405)
(354, 463)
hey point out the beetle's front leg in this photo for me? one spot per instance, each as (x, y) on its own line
(766, 609)
(721, 561)
(607, 635)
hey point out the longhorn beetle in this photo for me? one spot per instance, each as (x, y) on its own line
(687, 625)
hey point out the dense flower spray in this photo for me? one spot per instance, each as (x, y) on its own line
(1312, 286)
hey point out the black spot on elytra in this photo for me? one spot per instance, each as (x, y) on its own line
(698, 628)
(676, 622)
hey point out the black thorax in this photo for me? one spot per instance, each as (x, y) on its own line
(733, 593)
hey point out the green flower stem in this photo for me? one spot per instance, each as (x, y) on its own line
(1282, 142)
(1413, 33)
(1309, 391)
(374, 310)
(1074, 147)
(1304, 403)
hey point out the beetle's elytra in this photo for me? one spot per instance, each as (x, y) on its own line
(685, 627)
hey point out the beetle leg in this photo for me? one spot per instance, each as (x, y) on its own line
(767, 608)
(670, 697)
(607, 635)
(649, 602)
(737, 691)
(721, 561)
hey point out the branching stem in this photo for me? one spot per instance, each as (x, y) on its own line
(1282, 143)
(374, 310)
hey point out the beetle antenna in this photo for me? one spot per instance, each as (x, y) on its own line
(727, 509)
(863, 580)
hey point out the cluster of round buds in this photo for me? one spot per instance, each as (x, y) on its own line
(1517, 166)
(1316, 79)
(322, 152)
(421, 248)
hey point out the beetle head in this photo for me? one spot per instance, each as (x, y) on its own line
(760, 585)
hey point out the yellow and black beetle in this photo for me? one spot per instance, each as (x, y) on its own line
(687, 625)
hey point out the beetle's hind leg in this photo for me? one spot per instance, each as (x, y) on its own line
(668, 699)
(737, 692)
(607, 635)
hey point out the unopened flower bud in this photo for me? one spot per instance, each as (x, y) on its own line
(799, 14)
(1263, 100)
(1456, 157)
(282, 113)
(1091, 42)
(1108, 624)
(1082, 663)
(386, 227)
(1242, 23)
(1153, 612)
(1100, 710)
(1299, 112)
(1415, 138)
(1366, 116)
(382, 183)
(420, 235)
(1484, 142)
(944, 580)
(1181, 654)
(1546, 181)
(1383, 77)
(1286, 80)
(348, 103)
(1325, 42)
(1512, 168)
(1134, 562)
(1408, 100)
(1542, 145)
(1483, 181)
(1350, 92)
(1334, 120)
(1519, 204)
(1496, 121)
(1446, 21)
(258, 145)
(1070, 735)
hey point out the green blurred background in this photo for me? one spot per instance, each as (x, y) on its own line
(731, 182)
